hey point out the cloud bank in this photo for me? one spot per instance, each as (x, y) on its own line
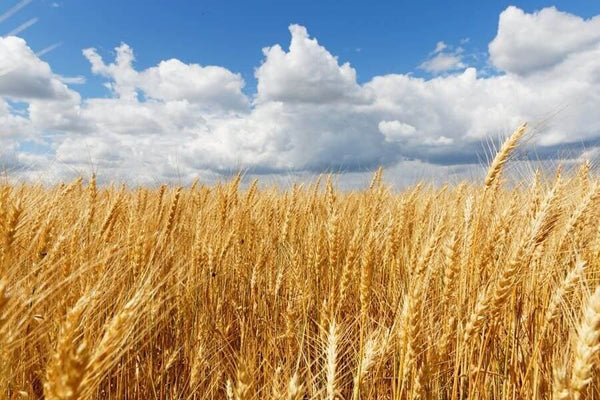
(309, 114)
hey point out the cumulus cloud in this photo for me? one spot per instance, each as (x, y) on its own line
(209, 86)
(28, 81)
(284, 137)
(306, 73)
(302, 119)
(309, 114)
(13, 125)
(396, 130)
(24, 76)
(171, 80)
(528, 43)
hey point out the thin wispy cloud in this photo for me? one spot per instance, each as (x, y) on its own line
(48, 49)
(444, 59)
(440, 46)
(23, 26)
(13, 10)
(71, 80)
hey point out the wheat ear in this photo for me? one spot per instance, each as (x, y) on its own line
(587, 346)
(68, 364)
(331, 352)
(502, 156)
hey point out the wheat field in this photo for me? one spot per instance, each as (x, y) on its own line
(479, 290)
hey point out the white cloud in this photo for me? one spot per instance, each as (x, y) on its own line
(443, 62)
(24, 76)
(121, 72)
(528, 43)
(306, 73)
(13, 125)
(396, 130)
(175, 120)
(279, 136)
(210, 86)
(443, 59)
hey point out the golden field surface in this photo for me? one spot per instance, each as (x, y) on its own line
(478, 290)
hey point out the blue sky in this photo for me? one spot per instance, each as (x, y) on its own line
(375, 37)
(161, 91)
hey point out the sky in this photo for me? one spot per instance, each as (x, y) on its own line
(151, 92)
